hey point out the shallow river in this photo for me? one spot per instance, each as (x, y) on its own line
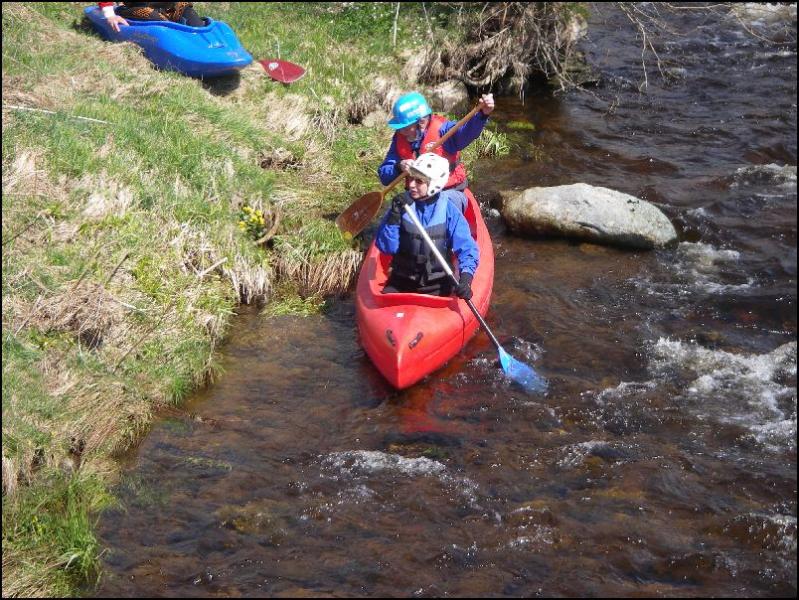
(661, 462)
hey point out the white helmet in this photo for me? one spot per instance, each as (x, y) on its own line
(434, 168)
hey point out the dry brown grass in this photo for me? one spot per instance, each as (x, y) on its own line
(105, 197)
(327, 275)
(279, 159)
(108, 419)
(26, 176)
(84, 309)
(381, 96)
(10, 472)
(29, 226)
(253, 283)
(21, 582)
(288, 115)
(103, 413)
(251, 280)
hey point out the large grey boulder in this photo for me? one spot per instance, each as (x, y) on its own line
(586, 212)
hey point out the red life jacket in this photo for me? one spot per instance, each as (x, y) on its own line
(457, 174)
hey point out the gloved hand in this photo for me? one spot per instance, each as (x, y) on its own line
(464, 287)
(398, 207)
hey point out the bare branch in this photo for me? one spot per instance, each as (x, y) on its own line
(507, 42)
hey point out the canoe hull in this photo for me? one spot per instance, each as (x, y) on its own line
(408, 336)
(210, 51)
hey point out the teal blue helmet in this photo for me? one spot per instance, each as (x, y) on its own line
(408, 109)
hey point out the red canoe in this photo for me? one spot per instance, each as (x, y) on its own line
(408, 336)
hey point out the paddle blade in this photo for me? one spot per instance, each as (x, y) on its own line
(358, 214)
(522, 374)
(282, 70)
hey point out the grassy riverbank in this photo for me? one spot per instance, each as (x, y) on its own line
(124, 256)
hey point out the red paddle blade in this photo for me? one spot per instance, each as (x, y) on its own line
(281, 70)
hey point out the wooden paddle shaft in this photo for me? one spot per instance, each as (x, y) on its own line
(435, 145)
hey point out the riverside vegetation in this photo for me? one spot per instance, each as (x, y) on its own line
(140, 208)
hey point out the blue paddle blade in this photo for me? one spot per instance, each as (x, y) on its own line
(522, 374)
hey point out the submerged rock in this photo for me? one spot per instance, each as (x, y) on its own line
(783, 175)
(586, 212)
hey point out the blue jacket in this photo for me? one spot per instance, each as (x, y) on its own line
(459, 235)
(388, 171)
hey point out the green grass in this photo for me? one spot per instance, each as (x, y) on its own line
(51, 525)
(131, 227)
(520, 125)
(490, 144)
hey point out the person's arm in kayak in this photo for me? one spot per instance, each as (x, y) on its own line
(113, 19)
(387, 239)
(389, 170)
(471, 130)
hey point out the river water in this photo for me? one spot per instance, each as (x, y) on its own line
(661, 462)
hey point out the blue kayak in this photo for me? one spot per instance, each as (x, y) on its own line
(208, 51)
